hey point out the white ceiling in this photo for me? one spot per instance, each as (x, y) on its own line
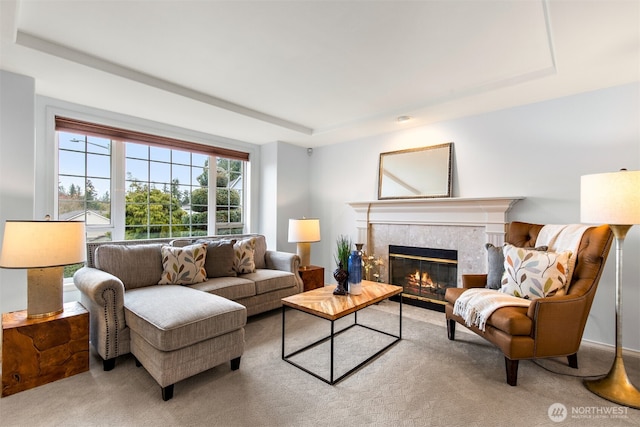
(317, 72)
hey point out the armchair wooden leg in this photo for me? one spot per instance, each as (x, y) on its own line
(512, 371)
(573, 360)
(451, 329)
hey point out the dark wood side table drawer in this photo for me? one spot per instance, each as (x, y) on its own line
(39, 351)
(312, 276)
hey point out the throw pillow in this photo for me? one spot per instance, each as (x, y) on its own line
(183, 266)
(495, 264)
(532, 274)
(244, 256)
(220, 258)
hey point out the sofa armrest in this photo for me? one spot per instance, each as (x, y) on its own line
(102, 294)
(92, 283)
(285, 261)
(474, 281)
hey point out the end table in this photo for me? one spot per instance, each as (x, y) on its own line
(312, 276)
(39, 351)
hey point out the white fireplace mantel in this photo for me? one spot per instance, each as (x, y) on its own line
(490, 213)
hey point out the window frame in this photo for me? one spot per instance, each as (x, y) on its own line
(118, 191)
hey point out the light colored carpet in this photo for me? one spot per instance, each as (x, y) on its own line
(424, 380)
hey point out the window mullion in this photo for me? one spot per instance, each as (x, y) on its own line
(118, 209)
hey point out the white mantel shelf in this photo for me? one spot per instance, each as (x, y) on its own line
(457, 211)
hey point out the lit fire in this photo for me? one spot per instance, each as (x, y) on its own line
(415, 280)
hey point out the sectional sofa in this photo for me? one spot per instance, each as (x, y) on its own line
(142, 299)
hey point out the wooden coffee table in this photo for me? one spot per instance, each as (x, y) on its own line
(322, 303)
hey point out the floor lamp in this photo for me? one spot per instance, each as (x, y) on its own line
(614, 199)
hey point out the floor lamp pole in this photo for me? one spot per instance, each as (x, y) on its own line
(616, 386)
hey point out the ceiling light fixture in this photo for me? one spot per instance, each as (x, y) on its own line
(403, 119)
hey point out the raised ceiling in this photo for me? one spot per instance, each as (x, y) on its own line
(317, 72)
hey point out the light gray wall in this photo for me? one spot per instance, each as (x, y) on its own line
(17, 170)
(537, 151)
(285, 191)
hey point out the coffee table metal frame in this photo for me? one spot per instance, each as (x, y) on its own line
(333, 318)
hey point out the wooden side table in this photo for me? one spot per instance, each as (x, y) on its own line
(312, 276)
(39, 351)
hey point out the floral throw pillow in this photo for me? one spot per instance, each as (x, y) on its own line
(183, 266)
(244, 251)
(533, 274)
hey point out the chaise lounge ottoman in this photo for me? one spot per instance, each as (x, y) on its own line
(177, 332)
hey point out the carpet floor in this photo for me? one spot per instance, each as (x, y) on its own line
(423, 380)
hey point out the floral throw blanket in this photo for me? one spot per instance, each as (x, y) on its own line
(477, 304)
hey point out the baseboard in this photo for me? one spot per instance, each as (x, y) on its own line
(625, 351)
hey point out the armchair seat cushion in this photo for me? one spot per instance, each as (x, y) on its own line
(511, 320)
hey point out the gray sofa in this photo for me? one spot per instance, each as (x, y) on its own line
(116, 270)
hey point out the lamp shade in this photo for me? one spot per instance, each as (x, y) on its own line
(42, 244)
(304, 230)
(610, 198)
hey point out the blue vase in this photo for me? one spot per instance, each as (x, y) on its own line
(355, 273)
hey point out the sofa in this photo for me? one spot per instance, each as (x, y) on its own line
(118, 274)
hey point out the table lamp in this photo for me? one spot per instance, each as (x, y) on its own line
(614, 199)
(303, 232)
(43, 248)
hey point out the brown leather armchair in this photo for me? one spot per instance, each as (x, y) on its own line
(549, 327)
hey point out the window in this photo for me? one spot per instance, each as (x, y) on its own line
(229, 196)
(166, 192)
(84, 182)
(129, 185)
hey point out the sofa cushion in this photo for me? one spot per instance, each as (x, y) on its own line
(183, 266)
(534, 274)
(244, 261)
(260, 251)
(135, 265)
(232, 288)
(193, 316)
(220, 258)
(270, 280)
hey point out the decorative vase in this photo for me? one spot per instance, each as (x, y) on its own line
(355, 272)
(341, 277)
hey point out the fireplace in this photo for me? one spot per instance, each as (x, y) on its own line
(424, 274)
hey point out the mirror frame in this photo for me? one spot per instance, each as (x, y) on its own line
(444, 172)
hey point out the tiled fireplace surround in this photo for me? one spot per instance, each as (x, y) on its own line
(461, 224)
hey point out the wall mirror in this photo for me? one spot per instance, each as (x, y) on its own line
(416, 173)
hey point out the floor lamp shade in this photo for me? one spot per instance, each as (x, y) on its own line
(303, 232)
(43, 248)
(610, 198)
(614, 199)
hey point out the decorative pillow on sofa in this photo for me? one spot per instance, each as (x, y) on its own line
(183, 266)
(495, 264)
(244, 261)
(533, 274)
(220, 258)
